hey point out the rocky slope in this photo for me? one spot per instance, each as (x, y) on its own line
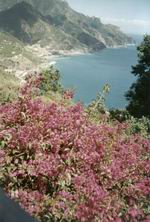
(54, 23)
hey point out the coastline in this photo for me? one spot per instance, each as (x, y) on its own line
(121, 46)
(47, 58)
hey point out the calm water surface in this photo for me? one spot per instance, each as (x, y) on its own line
(89, 73)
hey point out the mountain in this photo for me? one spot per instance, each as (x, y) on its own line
(18, 20)
(54, 24)
(30, 26)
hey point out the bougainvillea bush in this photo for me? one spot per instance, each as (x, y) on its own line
(62, 167)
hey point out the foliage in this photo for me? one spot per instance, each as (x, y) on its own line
(140, 126)
(47, 85)
(139, 93)
(51, 81)
(62, 167)
(135, 125)
(119, 115)
(97, 108)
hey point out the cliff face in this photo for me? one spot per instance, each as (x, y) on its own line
(53, 23)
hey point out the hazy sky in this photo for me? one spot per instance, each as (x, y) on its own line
(133, 16)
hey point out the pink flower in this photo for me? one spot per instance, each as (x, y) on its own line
(59, 164)
(68, 94)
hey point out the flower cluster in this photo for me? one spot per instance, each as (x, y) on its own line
(60, 165)
(68, 94)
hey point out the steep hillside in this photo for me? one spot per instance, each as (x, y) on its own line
(30, 26)
(74, 29)
(14, 55)
(9, 86)
(17, 21)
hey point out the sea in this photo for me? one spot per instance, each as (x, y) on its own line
(88, 73)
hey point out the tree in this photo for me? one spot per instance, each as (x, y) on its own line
(139, 93)
(51, 81)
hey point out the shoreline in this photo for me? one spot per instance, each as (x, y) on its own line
(121, 46)
(49, 58)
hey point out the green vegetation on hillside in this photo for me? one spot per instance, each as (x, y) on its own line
(9, 87)
(14, 54)
(9, 45)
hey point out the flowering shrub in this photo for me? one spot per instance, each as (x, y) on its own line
(136, 125)
(62, 167)
(141, 126)
(68, 94)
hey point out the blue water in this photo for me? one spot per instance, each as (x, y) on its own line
(89, 73)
